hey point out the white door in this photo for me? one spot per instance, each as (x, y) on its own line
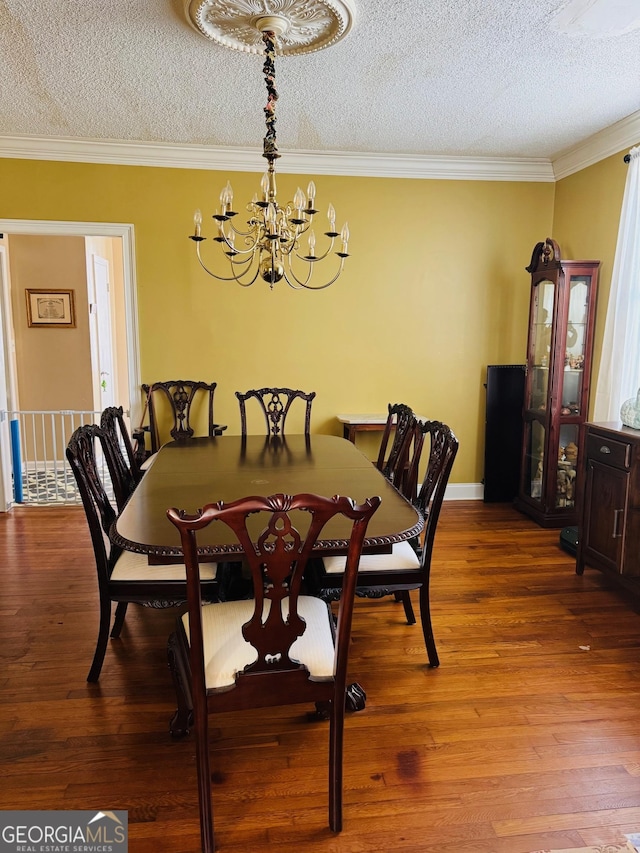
(101, 333)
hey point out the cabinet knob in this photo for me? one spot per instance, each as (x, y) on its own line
(605, 449)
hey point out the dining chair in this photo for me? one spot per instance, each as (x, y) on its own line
(174, 405)
(280, 648)
(120, 455)
(123, 576)
(275, 404)
(400, 419)
(408, 567)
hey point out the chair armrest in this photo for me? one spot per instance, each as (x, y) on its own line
(218, 429)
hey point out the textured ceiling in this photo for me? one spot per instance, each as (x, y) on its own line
(415, 77)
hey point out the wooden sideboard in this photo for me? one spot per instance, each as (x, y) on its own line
(609, 533)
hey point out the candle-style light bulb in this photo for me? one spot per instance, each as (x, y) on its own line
(344, 234)
(270, 218)
(331, 214)
(298, 200)
(197, 222)
(312, 244)
(229, 192)
(311, 193)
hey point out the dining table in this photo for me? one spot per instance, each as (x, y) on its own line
(188, 474)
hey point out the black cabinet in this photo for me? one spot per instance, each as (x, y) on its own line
(503, 431)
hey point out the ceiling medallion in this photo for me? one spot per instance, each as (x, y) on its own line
(304, 26)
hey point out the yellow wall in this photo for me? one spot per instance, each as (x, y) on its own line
(434, 291)
(586, 217)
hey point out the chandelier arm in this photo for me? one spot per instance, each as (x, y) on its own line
(250, 251)
(292, 274)
(300, 285)
(253, 228)
(223, 277)
(316, 257)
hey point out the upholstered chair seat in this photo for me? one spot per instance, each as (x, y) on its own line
(135, 567)
(226, 652)
(401, 558)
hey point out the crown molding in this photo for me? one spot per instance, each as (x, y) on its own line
(294, 162)
(623, 134)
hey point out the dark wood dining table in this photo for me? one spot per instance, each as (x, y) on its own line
(190, 474)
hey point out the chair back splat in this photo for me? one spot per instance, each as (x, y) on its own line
(275, 404)
(173, 404)
(123, 467)
(279, 648)
(400, 419)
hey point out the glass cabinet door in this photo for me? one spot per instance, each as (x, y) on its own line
(533, 459)
(540, 342)
(574, 359)
(567, 467)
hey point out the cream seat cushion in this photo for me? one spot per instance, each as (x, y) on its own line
(226, 652)
(135, 567)
(148, 462)
(402, 557)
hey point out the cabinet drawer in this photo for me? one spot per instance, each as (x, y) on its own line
(608, 450)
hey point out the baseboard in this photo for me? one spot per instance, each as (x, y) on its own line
(464, 492)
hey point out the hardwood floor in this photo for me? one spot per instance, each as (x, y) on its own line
(526, 737)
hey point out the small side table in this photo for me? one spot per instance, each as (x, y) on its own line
(352, 424)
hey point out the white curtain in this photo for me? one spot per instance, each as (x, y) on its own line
(619, 376)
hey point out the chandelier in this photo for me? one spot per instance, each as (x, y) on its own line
(274, 242)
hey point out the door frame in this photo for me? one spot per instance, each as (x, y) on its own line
(53, 228)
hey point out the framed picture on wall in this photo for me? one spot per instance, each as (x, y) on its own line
(51, 308)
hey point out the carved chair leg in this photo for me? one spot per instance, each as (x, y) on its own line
(355, 697)
(405, 598)
(182, 720)
(103, 637)
(336, 739)
(427, 630)
(354, 700)
(118, 622)
(201, 721)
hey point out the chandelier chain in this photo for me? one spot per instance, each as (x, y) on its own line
(269, 68)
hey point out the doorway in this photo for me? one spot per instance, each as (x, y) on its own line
(108, 260)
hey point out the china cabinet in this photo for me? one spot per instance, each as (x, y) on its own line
(558, 374)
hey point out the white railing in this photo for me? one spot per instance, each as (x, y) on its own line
(41, 473)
